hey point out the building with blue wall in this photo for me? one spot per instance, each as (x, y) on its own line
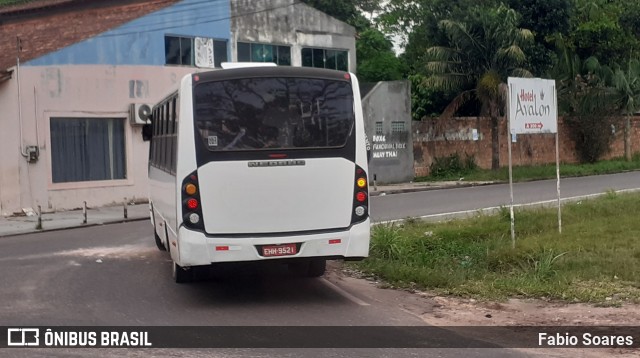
(85, 64)
(142, 41)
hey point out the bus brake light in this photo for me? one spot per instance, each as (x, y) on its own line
(192, 204)
(361, 196)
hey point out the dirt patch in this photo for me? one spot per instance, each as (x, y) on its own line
(457, 311)
(453, 311)
(446, 311)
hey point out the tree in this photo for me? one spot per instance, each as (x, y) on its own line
(546, 19)
(586, 100)
(598, 30)
(376, 59)
(426, 101)
(417, 22)
(627, 85)
(481, 53)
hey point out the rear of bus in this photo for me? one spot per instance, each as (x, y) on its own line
(272, 166)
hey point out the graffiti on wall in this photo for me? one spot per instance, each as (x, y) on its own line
(386, 149)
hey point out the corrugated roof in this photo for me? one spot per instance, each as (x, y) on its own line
(32, 18)
(17, 6)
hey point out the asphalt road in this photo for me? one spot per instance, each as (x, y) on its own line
(114, 275)
(436, 202)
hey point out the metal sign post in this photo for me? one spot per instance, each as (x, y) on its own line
(533, 109)
(511, 213)
(555, 100)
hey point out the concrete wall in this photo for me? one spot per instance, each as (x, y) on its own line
(289, 23)
(392, 154)
(435, 138)
(73, 91)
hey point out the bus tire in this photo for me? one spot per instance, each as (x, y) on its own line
(180, 275)
(317, 267)
(159, 243)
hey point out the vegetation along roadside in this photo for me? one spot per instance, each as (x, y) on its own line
(456, 167)
(596, 259)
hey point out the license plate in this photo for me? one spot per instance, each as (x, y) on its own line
(279, 250)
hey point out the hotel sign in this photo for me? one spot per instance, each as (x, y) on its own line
(532, 106)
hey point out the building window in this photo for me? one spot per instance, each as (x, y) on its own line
(188, 51)
(86, 149)
(256, 52)
(323, 58)
(398, 127)
(378, 128)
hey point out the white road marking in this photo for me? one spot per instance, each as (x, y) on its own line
(496, 208)
(343, 293)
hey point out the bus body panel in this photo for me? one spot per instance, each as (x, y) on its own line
(197, 249)
(360, 134)
(186, 156)
(242, 197)
(275, 201)
(162, 188)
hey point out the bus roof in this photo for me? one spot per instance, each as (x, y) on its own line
(279, 71)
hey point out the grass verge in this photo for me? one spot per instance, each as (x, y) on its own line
(525, 173)
(596, 258)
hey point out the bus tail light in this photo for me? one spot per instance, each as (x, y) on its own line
(194, 218)
(360, 196)
(191, 208)
(190, 189)
(192, 204)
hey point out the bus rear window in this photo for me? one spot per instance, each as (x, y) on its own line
(273, 113)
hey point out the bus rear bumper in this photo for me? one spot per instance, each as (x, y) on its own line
(196, 249)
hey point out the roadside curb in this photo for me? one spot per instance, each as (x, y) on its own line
(77, 226)
(429, 188)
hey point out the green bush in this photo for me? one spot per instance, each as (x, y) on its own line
(452, 166)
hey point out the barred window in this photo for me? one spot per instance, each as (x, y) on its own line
(378, 128)
(398, 127)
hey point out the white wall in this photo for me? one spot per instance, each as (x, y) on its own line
(73, 91)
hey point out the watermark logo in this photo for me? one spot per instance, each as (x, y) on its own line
(23, 337)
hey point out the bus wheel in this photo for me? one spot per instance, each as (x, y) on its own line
(317, 267)
(180, 275)
(159, 243)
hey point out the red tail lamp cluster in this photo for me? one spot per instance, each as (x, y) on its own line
(360, 197)
(191, 208)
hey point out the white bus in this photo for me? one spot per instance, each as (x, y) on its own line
(256, 164)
